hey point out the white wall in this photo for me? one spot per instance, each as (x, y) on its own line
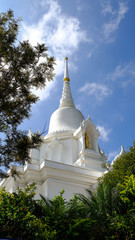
(53, 187)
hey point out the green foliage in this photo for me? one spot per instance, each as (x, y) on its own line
(112, 205)
(123, 166)
(22, 68)
(128, 191)
(109, 213)
(100, 204)
(21, 216)
(123, 221)
(112, 210)
(18, 218)
(67, 219)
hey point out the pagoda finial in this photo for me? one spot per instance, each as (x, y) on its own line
(66, 74)
(66, 100)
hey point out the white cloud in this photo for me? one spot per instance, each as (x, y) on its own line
(125, 83)
(118, 116)
(104, 133)
(61, 33)
(106, 7)
(89, 54)
(125, 74)
(78, 106)
(44, 93)
(79, 6)
(114, 19)
(99, 91)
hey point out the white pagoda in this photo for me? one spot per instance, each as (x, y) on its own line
(69, 157)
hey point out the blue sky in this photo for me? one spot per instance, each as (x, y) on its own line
(98, 37)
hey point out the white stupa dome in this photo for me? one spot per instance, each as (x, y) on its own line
(66, 117)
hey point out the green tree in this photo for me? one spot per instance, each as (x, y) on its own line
(22, 67)
(123, 221)
(108, 213)
(112, 206)
(101, 204)
(123, 166)
(67, 219)
(22, 216)
(19, 217)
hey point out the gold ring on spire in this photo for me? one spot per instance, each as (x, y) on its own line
(66, 58)
(66, 79)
